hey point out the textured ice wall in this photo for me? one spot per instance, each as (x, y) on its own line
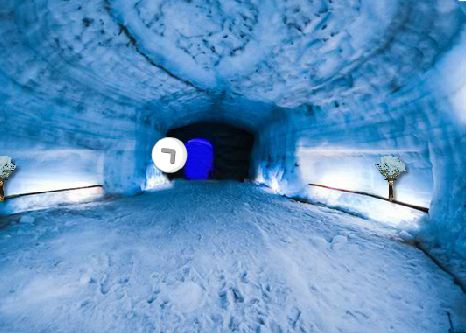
(448, 150)
(58, 125)
(58, 144)
(329, 86)
(423, 122)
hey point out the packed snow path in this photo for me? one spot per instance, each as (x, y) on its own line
(216, 257)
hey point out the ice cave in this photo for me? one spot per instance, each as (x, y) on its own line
(285, 217)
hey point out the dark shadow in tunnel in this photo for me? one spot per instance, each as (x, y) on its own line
(232, 148)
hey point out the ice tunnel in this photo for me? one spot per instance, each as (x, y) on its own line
(231, 150)
(292, 229)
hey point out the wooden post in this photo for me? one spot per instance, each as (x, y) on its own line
(391, 193)
(2, 194)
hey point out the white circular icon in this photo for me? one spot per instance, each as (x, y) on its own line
(169, 154)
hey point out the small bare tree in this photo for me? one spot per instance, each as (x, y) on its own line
(391, 167)
(6, 169)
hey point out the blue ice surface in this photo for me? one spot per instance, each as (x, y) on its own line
(200, 159)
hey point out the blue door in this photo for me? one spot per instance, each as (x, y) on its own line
(200, 160)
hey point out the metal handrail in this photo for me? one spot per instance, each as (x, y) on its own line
(14, 196)
(420, 208)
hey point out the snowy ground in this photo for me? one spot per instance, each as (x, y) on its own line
(216, 257)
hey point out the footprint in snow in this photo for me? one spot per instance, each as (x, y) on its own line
(319, 242)
(237, 296)
(186, 296)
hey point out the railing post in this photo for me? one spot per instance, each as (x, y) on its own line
(391, 194)
(2, 193)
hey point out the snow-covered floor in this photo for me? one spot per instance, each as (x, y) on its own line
(216, 257)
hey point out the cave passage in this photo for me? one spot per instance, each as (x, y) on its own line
(231, 151)
(297, 117)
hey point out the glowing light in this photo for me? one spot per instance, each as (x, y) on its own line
(260, 176)
(155, 179)
(156, 182)
(343, 179)
(83, 195)
(375, 209)
(51, 199)
(274, 185)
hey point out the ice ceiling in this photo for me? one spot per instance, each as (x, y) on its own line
(319, 82)
(163, 54)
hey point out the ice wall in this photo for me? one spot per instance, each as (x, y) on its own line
(327, 86)
(59, 143)
(448, 150)
(423, 123)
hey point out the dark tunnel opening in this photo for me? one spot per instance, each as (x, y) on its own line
(231, 148)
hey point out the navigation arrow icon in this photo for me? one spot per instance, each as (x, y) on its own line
(172, 153)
